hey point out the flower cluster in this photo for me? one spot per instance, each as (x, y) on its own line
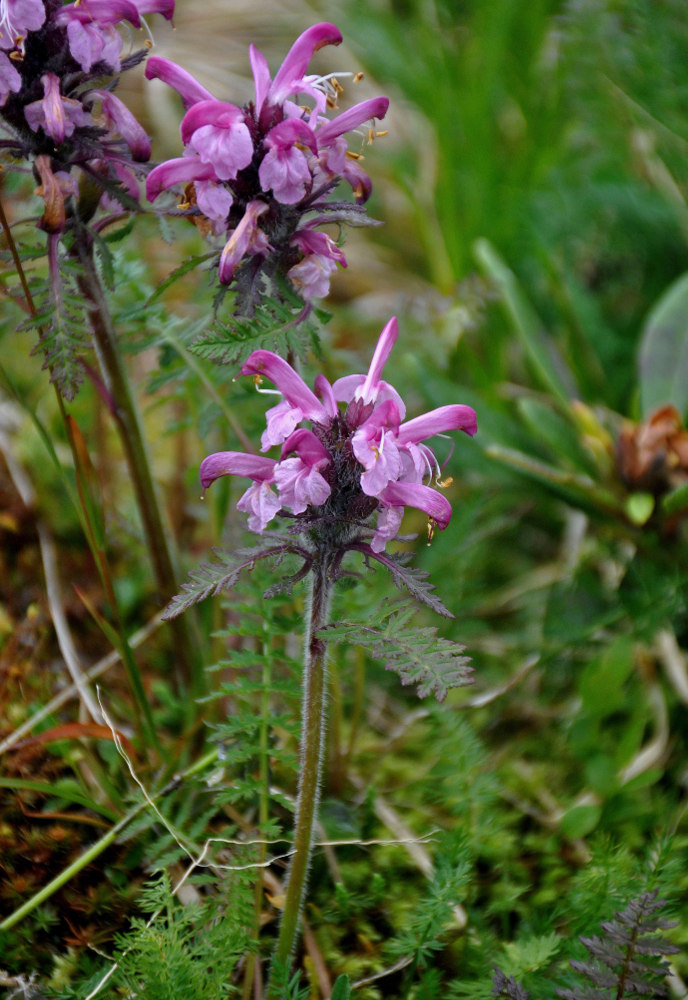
(50, 106)
(260, 175)
(352, 462)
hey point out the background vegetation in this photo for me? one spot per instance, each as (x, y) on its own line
(533, 189)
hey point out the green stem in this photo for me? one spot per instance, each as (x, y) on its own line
(128, 424)
(312, 743)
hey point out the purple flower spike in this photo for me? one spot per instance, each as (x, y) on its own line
(274, 152)
(344, 469)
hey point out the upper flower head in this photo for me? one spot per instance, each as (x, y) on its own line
(352, 462)
(271, 151)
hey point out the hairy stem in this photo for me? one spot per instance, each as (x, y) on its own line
(312, 744)
(128, 424)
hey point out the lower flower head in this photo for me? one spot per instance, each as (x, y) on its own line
(351, 462)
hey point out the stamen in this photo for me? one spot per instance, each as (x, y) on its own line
(354, 156)
(431, 530)
(184, 205)
(444, 483)
(16, 56)
(358, 77)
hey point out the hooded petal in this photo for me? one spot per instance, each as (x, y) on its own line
(180, 170)
(236, 463)
(350, 119)
(261, 75)
(188, 88)
(436, 506)
(456, 417)
(289, 383)
(119, 117)
(246, 239)
(291, 73)
(307, 447)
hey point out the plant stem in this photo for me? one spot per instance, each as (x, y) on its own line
(128, 424)
(312, 743)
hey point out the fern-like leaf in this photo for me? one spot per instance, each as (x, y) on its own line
(409, 578)
(417, 655)
(627, 959)
(212, 578)
(278, 325)
(62, 324)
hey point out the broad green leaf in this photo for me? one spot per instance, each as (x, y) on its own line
(579, 821)
(341, 989)
(663, 356)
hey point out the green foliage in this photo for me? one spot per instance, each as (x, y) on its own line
(62, 325)
(417, 655)
(663, 355)
(280, 325)
(181, 951)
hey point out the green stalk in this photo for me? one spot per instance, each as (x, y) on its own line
(128, 424)
(312, 745)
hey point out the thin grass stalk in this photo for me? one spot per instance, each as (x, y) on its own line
(84, 508)
(252, 978)
(127, 421)
(313, 718)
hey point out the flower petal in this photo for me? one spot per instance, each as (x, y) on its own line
(236, 463)
(180, 170)
(457, 417)
(189, 89)
(350, 119)
(293, 69)
(436, 506)
(289, 383)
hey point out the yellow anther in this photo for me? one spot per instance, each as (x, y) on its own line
(332, 104)
(444, 483)
(358, 77)
(16, 56)
(337, 85)
(384, 131)
(257, 380)
(184, 205)
(354, 156)
(431, 530)
(148, 44)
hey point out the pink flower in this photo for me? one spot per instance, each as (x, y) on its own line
(259, 501)
(299, 480)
